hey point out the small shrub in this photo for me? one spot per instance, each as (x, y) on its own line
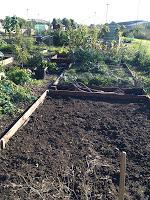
(52, 68)
(10, 95)
(19, 76)
(35, 61)
(86, 59)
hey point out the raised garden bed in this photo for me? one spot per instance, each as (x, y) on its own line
(69, 150)
(106, 76)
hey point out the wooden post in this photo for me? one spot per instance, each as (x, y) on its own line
(122, 175)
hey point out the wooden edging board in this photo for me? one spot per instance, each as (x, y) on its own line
(21, 120)
(100, 95)
(7, 61)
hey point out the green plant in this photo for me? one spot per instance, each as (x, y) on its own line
(10, 95)
(146, 83)
(19, 76)
(52, 68)
(60, 38)
(10, 24)
(35, 61)
(103, 81)
(137, 54)
(87, 59)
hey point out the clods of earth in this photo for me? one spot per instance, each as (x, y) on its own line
(70, 150)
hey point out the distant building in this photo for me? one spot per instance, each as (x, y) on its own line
(40, 28)
(132, 24)
(39, 21)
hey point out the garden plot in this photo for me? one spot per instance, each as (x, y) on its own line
(115, 76)
(69, 150)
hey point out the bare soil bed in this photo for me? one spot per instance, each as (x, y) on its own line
(70, 148)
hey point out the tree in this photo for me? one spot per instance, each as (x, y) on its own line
(66, 22)
(7, 24)
(55, 23)
(22, 23)
(10, 24)
(73, 23)
(104, 30)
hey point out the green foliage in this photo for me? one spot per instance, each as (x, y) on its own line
(36, 61)
(10, 24)
(19, 76)
(52, 68)
(140, 32)
(22, 46)
(103, 81)
(138, 55)
(10, 95)
(68, 23)
(106, 77)
(21, 54)
(60, 38)
(112, 53)
(87, 59)
(104, 30)
(85, 37)
(146, 82)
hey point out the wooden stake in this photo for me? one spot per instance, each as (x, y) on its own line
(122, 175)
(2, 144)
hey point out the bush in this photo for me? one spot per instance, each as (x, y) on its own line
(19, 76)
(52, 68)
(60, 38)
(87, 59)
(10, 95)
(138, 55)
(35, 61)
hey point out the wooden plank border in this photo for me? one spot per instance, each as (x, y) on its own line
(22, 120)
(7, 61)
(100, 95)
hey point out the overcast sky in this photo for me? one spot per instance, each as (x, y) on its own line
(83, 11)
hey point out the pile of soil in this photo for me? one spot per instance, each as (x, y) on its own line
(70, 150)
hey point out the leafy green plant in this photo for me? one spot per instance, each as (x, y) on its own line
(19, 76)
(10, 95)
(52, 68)
(137, 54)
(87, 59)
(35, 61)
(60, 38)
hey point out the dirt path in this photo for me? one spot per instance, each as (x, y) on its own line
(69, 150)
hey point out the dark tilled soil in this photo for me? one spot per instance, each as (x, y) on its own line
(70, 150)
